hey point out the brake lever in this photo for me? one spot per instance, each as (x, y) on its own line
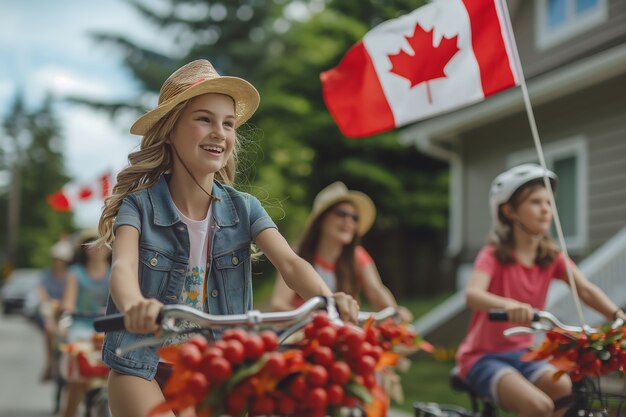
(511, 331)
(617, 324)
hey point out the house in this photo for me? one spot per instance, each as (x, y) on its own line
(573, 54)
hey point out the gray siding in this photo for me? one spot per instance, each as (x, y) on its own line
(536, 61)
(598, 114)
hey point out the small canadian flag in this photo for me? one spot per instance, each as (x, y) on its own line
(74, 193)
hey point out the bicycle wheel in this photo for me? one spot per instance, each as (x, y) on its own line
(599, 405)
(423, 409)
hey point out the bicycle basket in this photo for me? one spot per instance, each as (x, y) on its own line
(590, 400)
(79, 362)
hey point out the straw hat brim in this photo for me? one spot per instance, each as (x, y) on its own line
(244, 94)
(364, 206)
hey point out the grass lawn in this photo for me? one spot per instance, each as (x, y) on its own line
(427, 378)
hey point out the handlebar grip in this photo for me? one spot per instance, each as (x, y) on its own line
(109, 323)
(114, 322)
(500, 315)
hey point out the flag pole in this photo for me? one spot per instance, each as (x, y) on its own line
(542, 161)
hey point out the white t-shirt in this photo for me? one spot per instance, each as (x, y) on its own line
(199, 238)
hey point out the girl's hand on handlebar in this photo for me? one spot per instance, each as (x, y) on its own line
(141, 317)
(405, 314)
(519, 312)
(347, 306)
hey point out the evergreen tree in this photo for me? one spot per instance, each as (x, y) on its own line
(33, 154)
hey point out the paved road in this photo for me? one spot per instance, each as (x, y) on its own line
(21, 361)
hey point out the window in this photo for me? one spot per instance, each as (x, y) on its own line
(559, 20)
(568, 159)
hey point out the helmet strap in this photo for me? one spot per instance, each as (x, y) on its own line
(535, 237)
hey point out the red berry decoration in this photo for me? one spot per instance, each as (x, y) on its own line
(253, 347)
(317, 376)
(190, 355)
(340, 373)
(219, 369)
(234, 351)
(270, 340)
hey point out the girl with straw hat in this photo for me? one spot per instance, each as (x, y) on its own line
(181, 233)
(339, 218)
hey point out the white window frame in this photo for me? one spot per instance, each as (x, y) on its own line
(574, 24)
(573, 146)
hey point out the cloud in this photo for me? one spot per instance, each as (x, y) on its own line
(64, 82)
(93, 145)
(94, 142)
(7, 90)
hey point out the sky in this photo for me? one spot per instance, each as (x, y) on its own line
(45, 48)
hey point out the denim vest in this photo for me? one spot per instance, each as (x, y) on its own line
(164, 256)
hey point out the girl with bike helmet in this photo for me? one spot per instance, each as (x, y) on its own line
(512, 273)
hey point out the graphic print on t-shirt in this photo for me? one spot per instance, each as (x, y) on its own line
(192, 288)
(199, 235)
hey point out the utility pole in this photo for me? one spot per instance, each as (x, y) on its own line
(16, 129)
(13, 218)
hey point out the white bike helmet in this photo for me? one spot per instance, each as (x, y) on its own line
(505, 184)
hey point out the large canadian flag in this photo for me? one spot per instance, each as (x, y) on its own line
(442, 56)
(74, 193)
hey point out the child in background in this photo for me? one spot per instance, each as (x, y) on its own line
(50, 293)
(512, 273)
(86, 293)
(331, 243)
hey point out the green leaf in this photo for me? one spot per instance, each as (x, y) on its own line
(214, 399)
(359, 391)
(246, 371)
(604, 355)
(613, 338)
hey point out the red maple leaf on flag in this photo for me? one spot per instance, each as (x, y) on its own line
(427, 62)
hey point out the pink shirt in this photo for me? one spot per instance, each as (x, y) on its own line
(516, 281)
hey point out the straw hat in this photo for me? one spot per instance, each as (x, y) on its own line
(196, 78)
(337, 192)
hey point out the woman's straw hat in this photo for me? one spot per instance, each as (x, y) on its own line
(337, 192)
(196, 78)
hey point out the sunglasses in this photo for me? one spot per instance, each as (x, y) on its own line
(341, 213)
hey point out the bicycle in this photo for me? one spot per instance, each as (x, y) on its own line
(587, 398)
(79, 361)
(318, 358)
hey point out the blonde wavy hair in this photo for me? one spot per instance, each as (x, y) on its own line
(153, 159)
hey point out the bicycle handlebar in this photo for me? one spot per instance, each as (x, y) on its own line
(385, 313)
(543, 321)
(252, 318)
(288, 321)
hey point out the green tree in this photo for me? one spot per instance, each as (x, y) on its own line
(33, 155)
(294, 147)
(409, 189)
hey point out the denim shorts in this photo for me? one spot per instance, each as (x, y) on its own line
(484, 376)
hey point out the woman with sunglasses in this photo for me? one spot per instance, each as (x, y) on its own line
(340, 217)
